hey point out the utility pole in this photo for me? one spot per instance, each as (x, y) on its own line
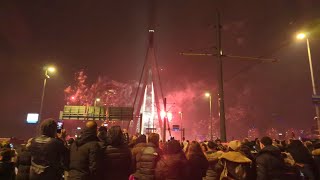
(164, 120)
(42, 96)
(140, 119)
(220, 55)
(181, 130)
(223, 133)
(211, 123)
(314, 88)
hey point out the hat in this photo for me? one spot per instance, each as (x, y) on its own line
(234, 145)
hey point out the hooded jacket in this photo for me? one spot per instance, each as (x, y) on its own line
(117, 162)
(173, 164)
(134, 151)
(49, 158)
(300, 153)
(146, 161)
(23, 164)
(270, 164)
(198, 165)
(85, 157)
(172, 167)
(316, 157)
(232, 165)
(213, 158)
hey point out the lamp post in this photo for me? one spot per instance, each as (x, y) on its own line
(49, 69)
(210, 106)
(314, 89)
(95, 101)
(164, 120)
(94, 107)
(181, 129)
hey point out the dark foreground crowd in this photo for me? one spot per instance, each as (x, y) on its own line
(113, 155)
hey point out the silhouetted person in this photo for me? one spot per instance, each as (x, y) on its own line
(303, 158)
(173, 164)
(213, 157)
(197, 161)
(147, 158)
(270, 164)
(220, 145)
(232, 164)
(117, 156)
(316, 157)
(24, 162)
(6, 165)
(49, 155)
(126, 136)
(102, 134)
(257, 145)
(86, 155)
(140, 144)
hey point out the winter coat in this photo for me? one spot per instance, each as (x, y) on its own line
(6, 165)
(146, 161)
(49, 158)
(116, 162)
(134, 151)
(288, 159)
(270, 164)
(291, 171)
(232, 165)
(198, 165)
(172, 167)
(7, 170)
(251, 171)
(300, 154)
(23, 165)
(213, 158)
(85, 157)
(303, 158)
(316, 157)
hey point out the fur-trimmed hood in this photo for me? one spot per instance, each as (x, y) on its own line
(235, 157)
(213, 155)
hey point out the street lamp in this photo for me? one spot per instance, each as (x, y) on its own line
(167, 115)
(94, 107)
(210, 106)
(181, 129)
(301, 36)
(48, 70)
(95, 101)
(51, 69)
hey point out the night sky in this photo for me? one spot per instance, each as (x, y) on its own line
(109, 38)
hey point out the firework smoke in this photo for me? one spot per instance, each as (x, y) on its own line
(110, 92)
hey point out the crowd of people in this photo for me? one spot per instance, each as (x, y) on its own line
(111, 154)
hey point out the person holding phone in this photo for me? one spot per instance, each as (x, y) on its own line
(49, 155)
